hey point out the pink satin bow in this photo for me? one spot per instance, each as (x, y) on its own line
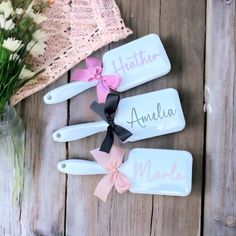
(110, 162)
(94, 72)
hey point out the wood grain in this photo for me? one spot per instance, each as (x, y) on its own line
(81, 208)
(182, 27)
(220, 189)
(9, 212)
(54, 204)
(86, 215)
(43, 205)
(42, 208)
(131, 214)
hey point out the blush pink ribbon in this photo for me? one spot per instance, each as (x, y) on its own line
(93, 73)
(111, 163)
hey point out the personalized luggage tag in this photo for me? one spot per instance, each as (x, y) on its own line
(147, 171)
(145, 116)
(135, 63)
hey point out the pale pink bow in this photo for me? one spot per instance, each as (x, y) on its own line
(94, 72)
(110, 162)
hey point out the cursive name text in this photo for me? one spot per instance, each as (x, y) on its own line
(159, 113)
(146, 171)
(137, 60)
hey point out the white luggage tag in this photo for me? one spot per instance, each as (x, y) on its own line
(147, 171)
(145, 116)
(137, 62)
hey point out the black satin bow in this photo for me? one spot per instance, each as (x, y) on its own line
(107, 112)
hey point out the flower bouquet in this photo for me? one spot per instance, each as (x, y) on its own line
(21, 40)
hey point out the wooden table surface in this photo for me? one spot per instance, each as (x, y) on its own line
(200, 38)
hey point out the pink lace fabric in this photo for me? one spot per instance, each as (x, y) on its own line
(76, 29)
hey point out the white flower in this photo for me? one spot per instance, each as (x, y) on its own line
(29, 9)
(6, 8)
(11, 44)
(38, 18)
(36, 48)
(40, 35)
(26, 74)
(19, 11)
(2, 21)
(9, 25)
(14, 57)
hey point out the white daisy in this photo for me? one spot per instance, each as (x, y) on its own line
(26, 74)
(6, 8)
(36, 48)
(40, 35)
(11, 44)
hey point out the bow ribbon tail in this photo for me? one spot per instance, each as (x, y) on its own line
(108, 140)
(104, 187)
(102, 91)
(122, 183)
(111, 163)
(99, 109)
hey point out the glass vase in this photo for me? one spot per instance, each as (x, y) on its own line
(12, 146)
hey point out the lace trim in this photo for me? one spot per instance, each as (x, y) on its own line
(76, 29)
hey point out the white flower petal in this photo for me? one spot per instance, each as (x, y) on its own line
(6, 8)
(36, 48)
(30, 45)
(40, 35)
(38, 18)
(29, 9)
(9, 25)
(26, 74)
(19, 11)
(2, 21)
(11, 44)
